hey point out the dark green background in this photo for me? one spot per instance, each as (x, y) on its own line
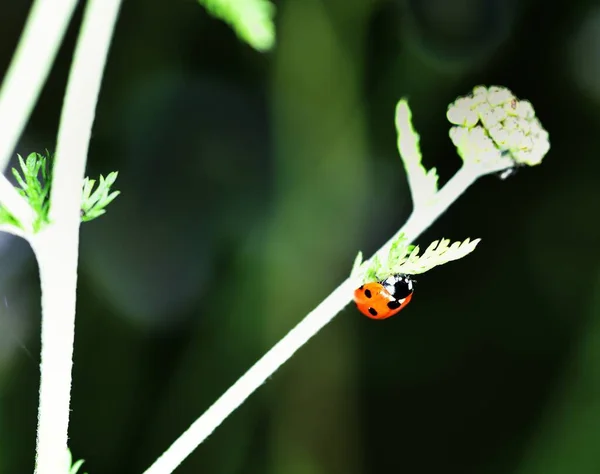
(249, 182)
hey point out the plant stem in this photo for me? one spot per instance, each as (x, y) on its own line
(423, 217)
(420, 220)
(33, 58)
(56, 247)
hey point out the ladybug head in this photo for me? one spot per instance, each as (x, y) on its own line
(400, 286)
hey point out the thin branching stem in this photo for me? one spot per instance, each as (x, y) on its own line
(41, 38)
(56, 246)
(33, 58)
(420, 220)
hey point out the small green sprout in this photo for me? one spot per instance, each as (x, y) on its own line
(7, 218)
(492, 126)
(74, 466)
(35, 182)
(33, 188)
(405, 258)
(93, 204)
(252, 20)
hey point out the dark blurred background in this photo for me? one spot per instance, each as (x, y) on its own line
(249, 182)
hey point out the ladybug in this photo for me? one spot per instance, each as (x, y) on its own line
(382, 299)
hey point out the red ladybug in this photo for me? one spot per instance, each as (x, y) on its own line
(382, 299)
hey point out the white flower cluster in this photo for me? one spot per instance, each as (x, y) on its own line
(491, 124)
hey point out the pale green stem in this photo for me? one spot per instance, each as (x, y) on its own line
(41, 38)
(424, 216)
(33, 58)
(420, 220)
(56, 247)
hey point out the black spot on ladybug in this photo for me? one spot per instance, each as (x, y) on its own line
(372, 311)
(393, 304)
(368, 293)
(361, 287)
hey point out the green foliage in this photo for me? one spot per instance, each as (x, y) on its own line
(439, 252)
(423, 182)
(74, 466)
(35, 180)
(377, 269)
(252, 20)
(491, 124)
(33, 188)
(405, 258)
(7, 218)
(93, 204)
